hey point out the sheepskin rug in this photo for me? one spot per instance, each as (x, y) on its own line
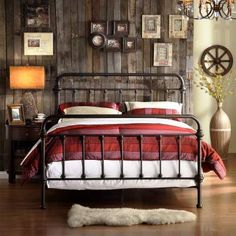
(79, 216)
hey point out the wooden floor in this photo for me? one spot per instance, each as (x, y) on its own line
(20, 213)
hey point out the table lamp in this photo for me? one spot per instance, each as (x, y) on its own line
(27, 78)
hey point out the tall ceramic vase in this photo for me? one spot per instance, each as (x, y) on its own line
(220, 131)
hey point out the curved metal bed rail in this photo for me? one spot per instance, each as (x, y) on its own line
(76, 75)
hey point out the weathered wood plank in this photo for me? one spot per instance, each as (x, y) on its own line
(74, 36)
(110, 17)
(131, 19)
(82, 26)
(60, 36)
(3, 144)
(124, 17)
(146, 42)
(88, 55)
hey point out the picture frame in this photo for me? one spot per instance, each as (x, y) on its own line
(151, 26)
(114, 44)
(15, 114)
(99, 27)
(162, 54)
(36, 16)
(121, 28)
(178, 26)
(38, 44)
(129, 44)
(97, 40)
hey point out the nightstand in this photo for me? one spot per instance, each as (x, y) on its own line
(22, 138)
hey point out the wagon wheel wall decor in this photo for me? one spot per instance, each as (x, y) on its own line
(216, 59)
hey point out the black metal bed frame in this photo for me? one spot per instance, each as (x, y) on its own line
(59, 88)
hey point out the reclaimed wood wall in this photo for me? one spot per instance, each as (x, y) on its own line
(69, 22)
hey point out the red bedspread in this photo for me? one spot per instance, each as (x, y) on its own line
(112, 146)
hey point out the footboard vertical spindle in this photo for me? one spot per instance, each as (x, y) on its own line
(102, 152)
(62, 137)
(122, 157)
(179, 155)
(160, 157)
(141, 155)
(83, 157)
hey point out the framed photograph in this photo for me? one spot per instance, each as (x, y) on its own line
(99, 27)
(121, 28)
(36, 16)
(162, 54)
(15, 114)
(151, 26)
(178, 26)
(129, 44)
(38, 44)
(114, 44)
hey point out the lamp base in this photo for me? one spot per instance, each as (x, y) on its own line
(29, 104)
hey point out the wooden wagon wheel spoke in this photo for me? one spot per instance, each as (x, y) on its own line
(223, 67)
(209, 68)
(222, 55)
(209, 54)
(208, 60)
(217, 55)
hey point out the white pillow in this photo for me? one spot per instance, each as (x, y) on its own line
(162, 105)
(91, 110)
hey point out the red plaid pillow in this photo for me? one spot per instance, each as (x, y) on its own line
(154, 111)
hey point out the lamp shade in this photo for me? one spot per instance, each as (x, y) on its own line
(27, 77)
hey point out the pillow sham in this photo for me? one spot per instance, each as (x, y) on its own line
(163, 107)
(112, 105)
(91, 110)
(153, 111)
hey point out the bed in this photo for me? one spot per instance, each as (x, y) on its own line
(115, 141)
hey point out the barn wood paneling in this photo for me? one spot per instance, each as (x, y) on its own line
(2, 80)
(69, 22)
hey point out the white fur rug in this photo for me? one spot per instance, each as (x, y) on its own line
(79, 216)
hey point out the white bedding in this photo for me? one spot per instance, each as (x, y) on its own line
(73, 169)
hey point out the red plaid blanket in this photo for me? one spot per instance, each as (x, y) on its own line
(112, 146)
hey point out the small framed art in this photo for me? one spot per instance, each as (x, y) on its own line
(15, 114)
(162, 54)
(151, 26)
(121, 28)
(113, 44)
(129, 44)
(97, 40)
(38, 44)
(36, 16)
(178, 26)
(99, 27)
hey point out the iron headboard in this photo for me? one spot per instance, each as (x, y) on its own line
(59, 87)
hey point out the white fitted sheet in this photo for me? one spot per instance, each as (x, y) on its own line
(73, 169)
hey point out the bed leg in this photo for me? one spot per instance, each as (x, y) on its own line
(199, 192)
(199, 197)
(43, 191)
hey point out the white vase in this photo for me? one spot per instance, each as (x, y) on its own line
(220, 131)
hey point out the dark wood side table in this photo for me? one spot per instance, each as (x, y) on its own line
(22, 138)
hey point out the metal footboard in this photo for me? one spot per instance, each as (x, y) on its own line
(121, 138)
